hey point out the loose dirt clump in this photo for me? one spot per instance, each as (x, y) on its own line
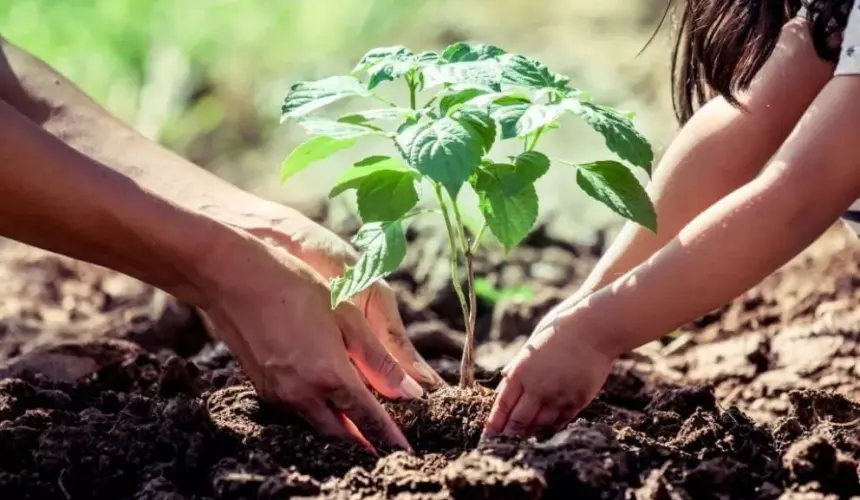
(446, 421)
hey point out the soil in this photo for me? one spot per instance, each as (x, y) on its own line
(109, 389)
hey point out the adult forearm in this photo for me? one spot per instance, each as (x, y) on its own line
(57, 105)
(53, 197)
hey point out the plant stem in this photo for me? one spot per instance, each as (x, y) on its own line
(420, 211)
(467, 378)
(565, 162)
(412, 86)
(467, 364)
(477, 242)
(384, 100)
(537, 136)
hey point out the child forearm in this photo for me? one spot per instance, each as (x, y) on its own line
(693, 175)
(744, 237)
(720, 149)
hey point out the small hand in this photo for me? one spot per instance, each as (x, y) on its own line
(555, 375)
(273, 312)
(328, 254)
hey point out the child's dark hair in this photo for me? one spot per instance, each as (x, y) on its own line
(722, 44)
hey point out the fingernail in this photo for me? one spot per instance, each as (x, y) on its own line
(487, 434)
(428, 376)
(410, 388)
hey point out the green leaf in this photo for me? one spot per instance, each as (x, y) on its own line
(375, 56)
(353, 177)
(316, 149)
(427, 57)
(383, 246)
(486, 73)
(510, 97)
(510, 218)
(449, 101)
(535, 117)
(385, 188)
(526, 169)
(370, 115)
(306, 97)
(389, 70)
(337, 129)
(526, 72)
(614, 185)
(482, 125)
(621, 135)
(465, 52)
(519, 117)
(390, 63)
(386, 196)
(446, 150)
(507, 112)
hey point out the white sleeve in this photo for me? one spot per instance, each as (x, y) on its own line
(849, 57)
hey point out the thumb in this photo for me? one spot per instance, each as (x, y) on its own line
(372, 359)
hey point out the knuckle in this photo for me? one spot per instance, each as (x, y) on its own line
(342, 398)
(517, 425)
(503, 406)
(518, 370)
(387, 366)
(324, 378)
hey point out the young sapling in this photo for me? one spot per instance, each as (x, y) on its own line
(481, 96)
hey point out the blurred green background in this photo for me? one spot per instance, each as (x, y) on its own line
(206, 77)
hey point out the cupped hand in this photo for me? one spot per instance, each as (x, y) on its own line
(273, 312)
(329, 255)
(553, 377)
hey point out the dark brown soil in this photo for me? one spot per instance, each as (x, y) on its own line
(762, 404)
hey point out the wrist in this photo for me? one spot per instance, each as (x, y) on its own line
(584, 322)
(174, 252)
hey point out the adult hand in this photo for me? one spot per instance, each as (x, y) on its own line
(273, 312)
(328, 255)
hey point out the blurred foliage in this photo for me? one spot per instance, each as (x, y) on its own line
(488, 292)
(112, 47)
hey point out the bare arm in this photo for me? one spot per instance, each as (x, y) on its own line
(75, 180)
(55, 198)
(720, 149)
(748, 234)
(725, 250)
(711, 256)
(50, 100)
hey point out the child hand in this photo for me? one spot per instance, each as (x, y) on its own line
(555, 375)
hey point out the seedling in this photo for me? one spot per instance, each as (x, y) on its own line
(479, 96)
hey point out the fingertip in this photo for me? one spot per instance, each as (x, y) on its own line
(368, 416)
(521, 417)
(396, 438)
(355, 434)
(487, 434)
(410, 388)
(508, 394)
(426, 374)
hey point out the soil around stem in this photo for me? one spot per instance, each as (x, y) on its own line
(763, 404)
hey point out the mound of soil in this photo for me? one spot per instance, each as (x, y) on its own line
(761, 404)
